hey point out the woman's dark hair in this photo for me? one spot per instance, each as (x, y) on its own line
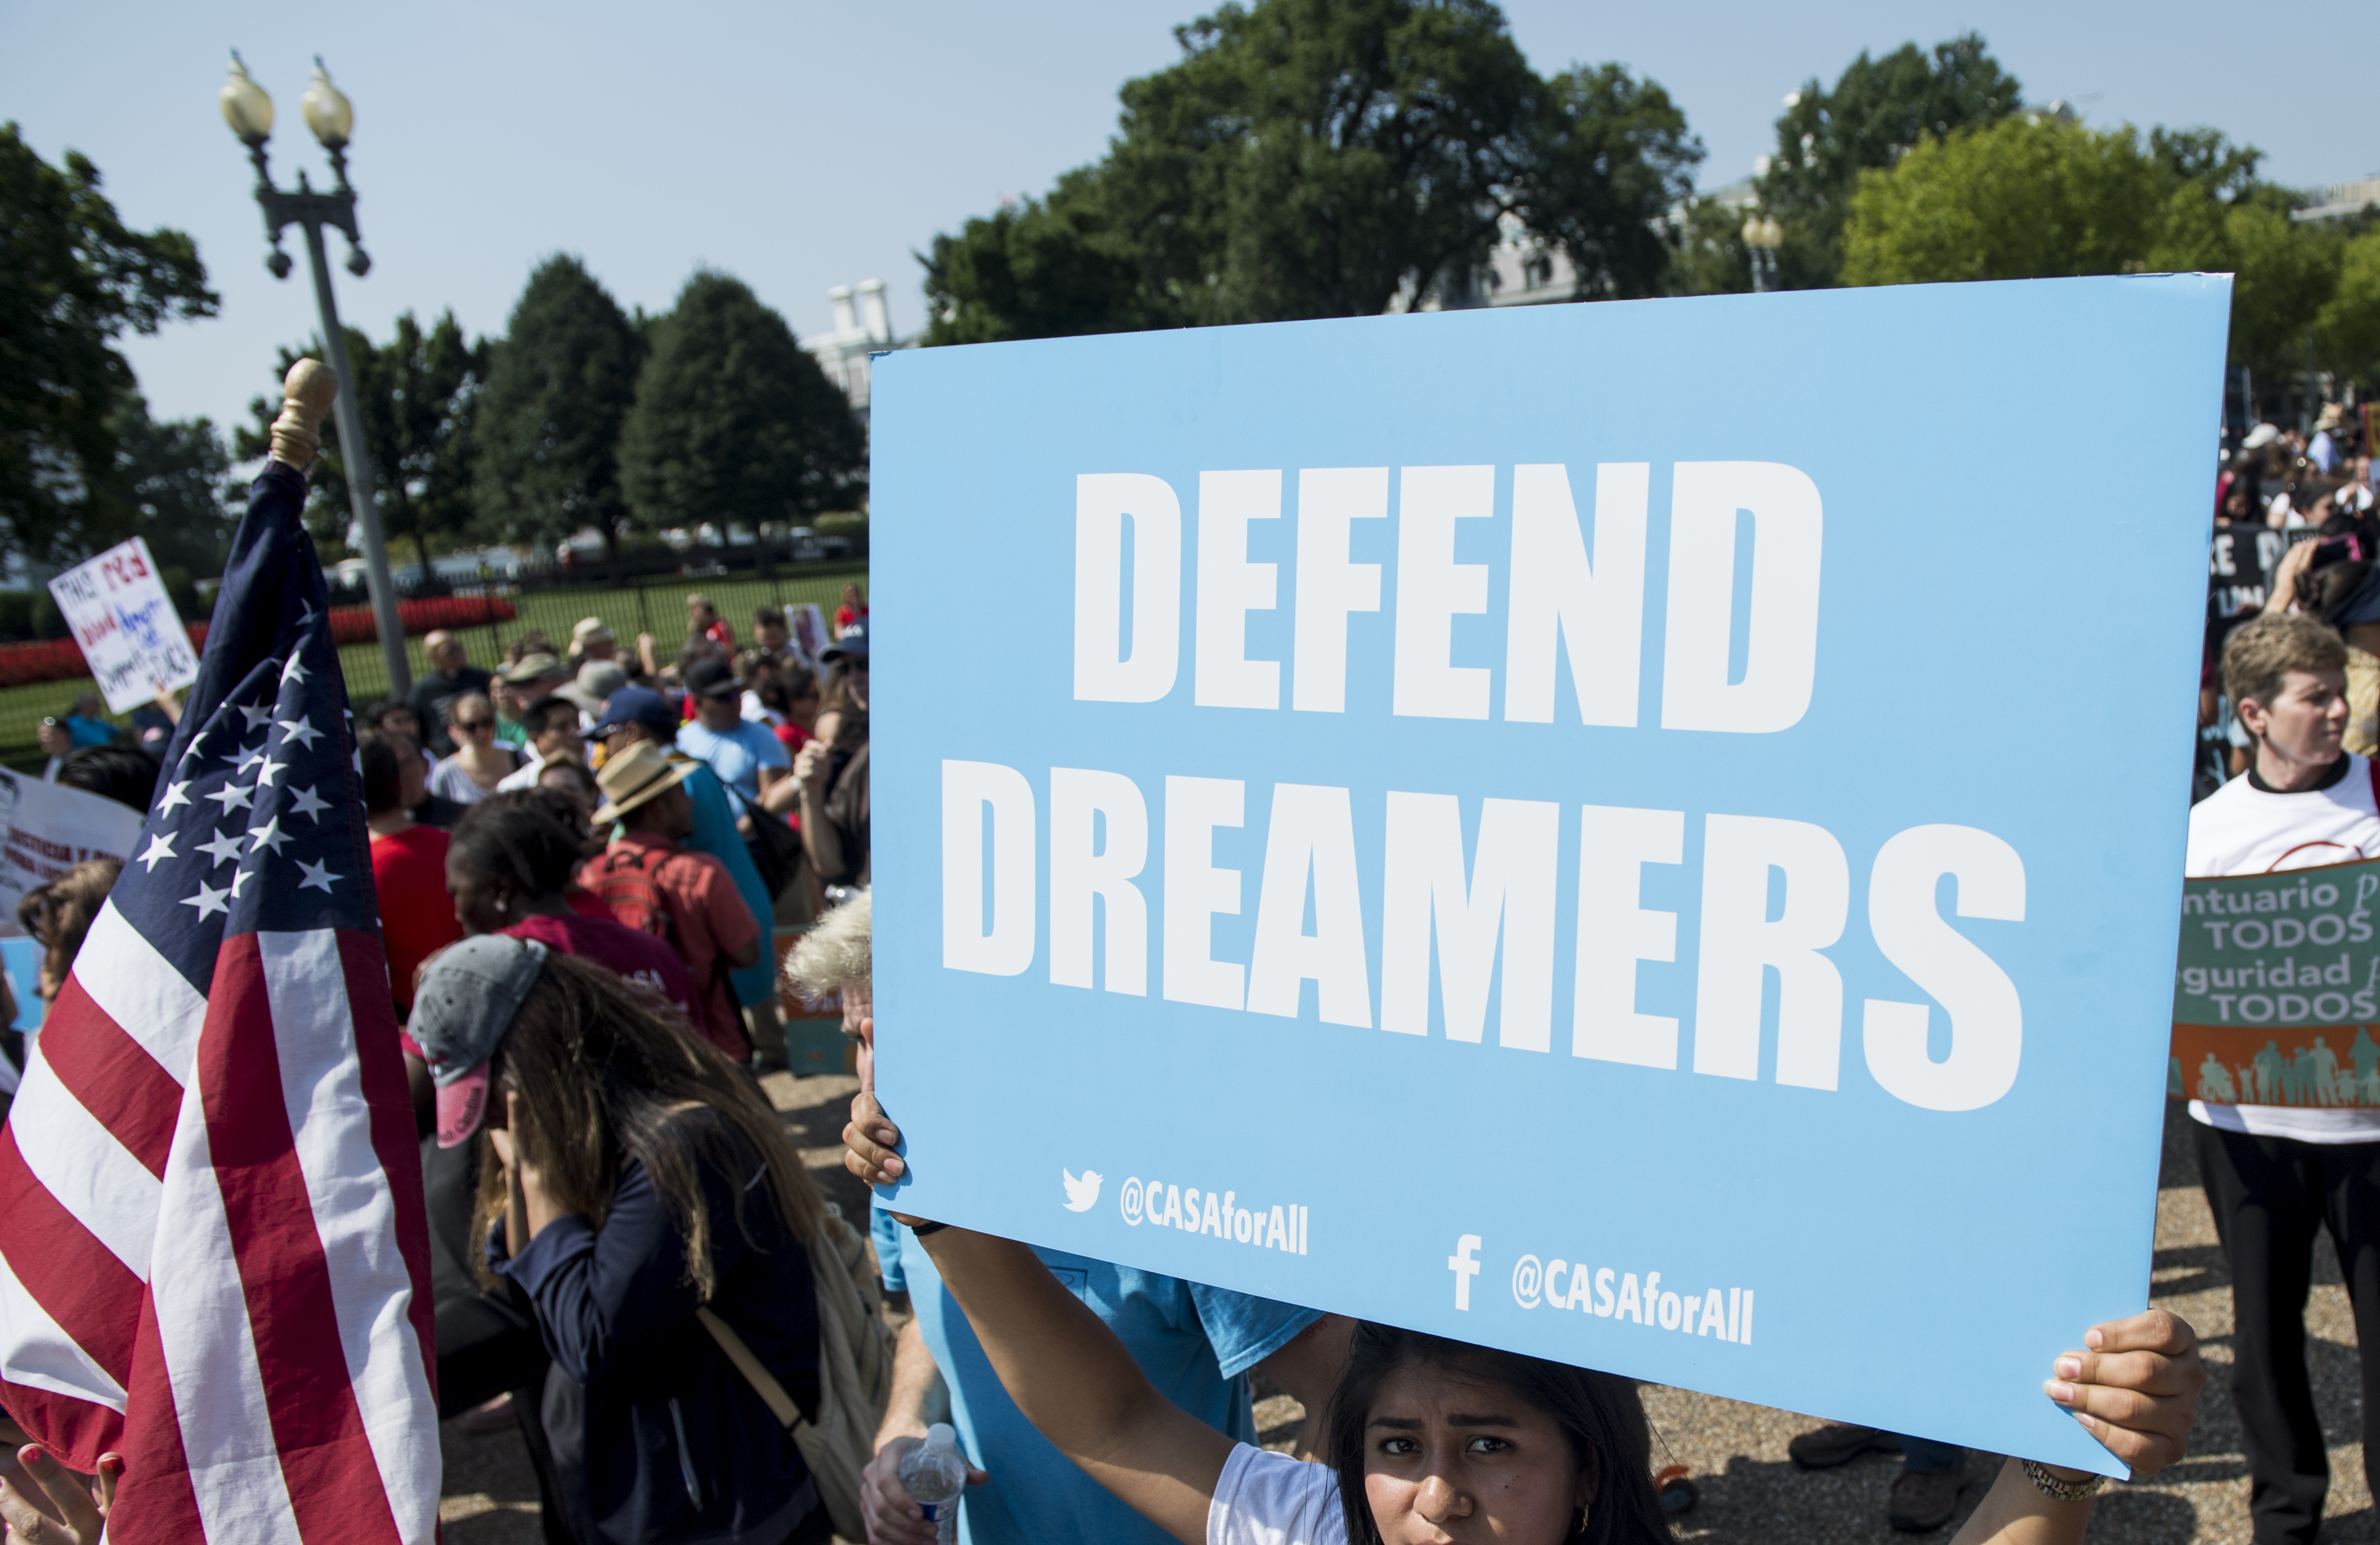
(59, 915)
(1599, 1413)
(576, 770)
(384, 783)
(117, 772)
(602, 1080)
(2327, 588)
(522, 838)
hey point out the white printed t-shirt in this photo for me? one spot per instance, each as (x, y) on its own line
(2248, 828)
(1270, 1498)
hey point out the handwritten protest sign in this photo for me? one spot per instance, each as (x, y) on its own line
(126, 625)
(2277, 992)
(1487, 821)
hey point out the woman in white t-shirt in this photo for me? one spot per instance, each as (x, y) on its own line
(1432, 1440)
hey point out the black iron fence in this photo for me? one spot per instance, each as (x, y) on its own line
(643, 592)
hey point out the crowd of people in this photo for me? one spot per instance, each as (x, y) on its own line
(678, 776)
(583, 854)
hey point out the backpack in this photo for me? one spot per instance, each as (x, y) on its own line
(624, 883)
(855, 1371)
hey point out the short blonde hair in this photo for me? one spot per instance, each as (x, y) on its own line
(2259, 653)
(837, 954)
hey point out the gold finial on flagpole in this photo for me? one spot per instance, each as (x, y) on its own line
(307, 393)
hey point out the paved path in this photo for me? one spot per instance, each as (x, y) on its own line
(1751, 1492)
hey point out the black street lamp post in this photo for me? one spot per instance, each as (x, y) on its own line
(328, 112)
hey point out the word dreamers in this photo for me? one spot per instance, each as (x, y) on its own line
(1494, 914)
(1564, 598)
(1154, 1202)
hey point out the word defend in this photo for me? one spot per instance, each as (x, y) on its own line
(126, 626)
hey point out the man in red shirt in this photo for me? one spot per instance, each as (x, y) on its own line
(653, 884)
(703, 621)
(408, 863)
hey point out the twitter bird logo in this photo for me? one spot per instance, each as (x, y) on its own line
(1084, 1194)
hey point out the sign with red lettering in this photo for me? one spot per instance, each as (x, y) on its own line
(121, 619)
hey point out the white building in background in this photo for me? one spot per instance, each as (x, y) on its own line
(862, 326)
(2342, 198)
(1520, 271)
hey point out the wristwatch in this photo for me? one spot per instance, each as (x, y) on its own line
(2064, 1490)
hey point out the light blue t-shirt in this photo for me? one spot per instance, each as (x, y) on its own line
(738, 755)
(1195, 1342)
(885, 1234)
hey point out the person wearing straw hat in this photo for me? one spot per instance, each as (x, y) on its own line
(592, 640)
(637, 715)
(650, 882)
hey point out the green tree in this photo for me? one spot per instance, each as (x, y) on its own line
(560, 385)
(175, 477)
(2284, 271)
(1709, 254)
(2019, 199)
(1048, 268)
(1612, 159)
(418, 397)
(1876, 112)
(2349, 324)
(72, 279)
(733, 420)
(1308, 158)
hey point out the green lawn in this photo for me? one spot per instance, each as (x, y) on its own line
(658, 607)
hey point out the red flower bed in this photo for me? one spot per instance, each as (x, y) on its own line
(49, 660)
(61, 659)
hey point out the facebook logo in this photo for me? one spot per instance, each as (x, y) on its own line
(1464, 1264)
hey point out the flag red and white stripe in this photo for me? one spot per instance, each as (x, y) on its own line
(213, 1256)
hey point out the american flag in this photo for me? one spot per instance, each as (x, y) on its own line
(213, 1258)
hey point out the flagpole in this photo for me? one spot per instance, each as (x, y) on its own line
(361, 495)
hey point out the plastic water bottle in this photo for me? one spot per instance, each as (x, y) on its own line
(934, 1473)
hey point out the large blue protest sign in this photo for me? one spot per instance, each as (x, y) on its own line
(1505, 822)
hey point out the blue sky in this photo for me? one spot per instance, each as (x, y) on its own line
(801, 146)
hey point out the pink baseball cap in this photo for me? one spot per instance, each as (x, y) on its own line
(464, 1005)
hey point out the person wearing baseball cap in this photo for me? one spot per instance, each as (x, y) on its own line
(534, 678)
(640, 706)
(747, 757)
(594, 1107)
(851, 646)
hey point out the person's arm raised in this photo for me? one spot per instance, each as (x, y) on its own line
(1074, 1382)
(2136, 1390)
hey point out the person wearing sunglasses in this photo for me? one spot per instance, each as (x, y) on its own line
(480, 761)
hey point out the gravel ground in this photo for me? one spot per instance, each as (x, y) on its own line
(1751, 1491)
